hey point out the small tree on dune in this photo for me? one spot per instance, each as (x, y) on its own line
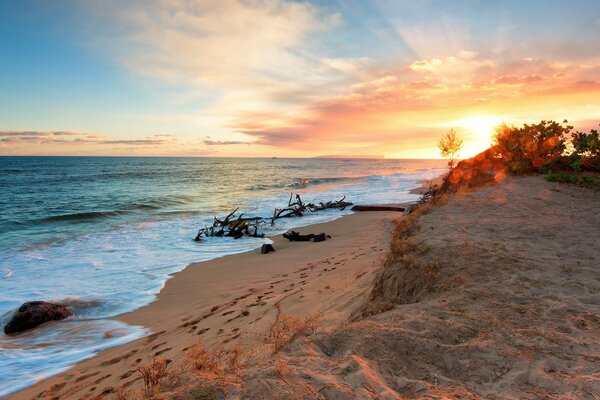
(450, 145)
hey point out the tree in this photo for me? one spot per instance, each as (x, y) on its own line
(449, 145)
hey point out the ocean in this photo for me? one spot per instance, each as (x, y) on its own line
(103, 234)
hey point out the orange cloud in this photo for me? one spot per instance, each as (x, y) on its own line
(395, 116)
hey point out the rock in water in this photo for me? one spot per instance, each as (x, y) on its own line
(266, 248)
(34, 313)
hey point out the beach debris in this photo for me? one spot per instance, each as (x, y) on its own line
(231, 226)
(34, 313)
(266, 248)
(321, 237)
(239, 226)
(294, 236)
(378, 208)
(297, 208)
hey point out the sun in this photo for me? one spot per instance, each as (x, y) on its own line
(477, 132)
(482, 127)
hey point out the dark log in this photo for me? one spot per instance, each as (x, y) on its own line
(320, 237)
(297, 237)
(266, 248)
(377, 208)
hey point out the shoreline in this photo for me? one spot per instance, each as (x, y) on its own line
(224, 283)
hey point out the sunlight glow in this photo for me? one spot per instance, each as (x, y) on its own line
(479, 132)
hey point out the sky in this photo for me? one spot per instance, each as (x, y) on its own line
(265, 78)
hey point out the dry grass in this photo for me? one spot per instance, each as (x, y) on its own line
(202, 359)
(286, 328)
(153, 373)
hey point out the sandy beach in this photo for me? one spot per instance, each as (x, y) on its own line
(208, 300)
(494, 293)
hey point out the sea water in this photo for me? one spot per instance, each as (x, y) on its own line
(103, 234)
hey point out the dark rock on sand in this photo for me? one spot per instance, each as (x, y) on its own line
(34, 313)
(266, 248)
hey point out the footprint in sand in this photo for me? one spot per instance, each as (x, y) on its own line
(127, 374)
(158, 353)
(86, 376)
(158, 345)
(97, 381)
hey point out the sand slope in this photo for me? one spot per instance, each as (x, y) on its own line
(512, 311)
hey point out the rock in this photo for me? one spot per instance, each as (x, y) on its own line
(319, 237)
(34, 313)
(266, 248)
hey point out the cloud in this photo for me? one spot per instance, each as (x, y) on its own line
(387, 112)
(134, 142)
(38, 133)
(246, 50)
(516, 80)
(78, 138)
(209, 142)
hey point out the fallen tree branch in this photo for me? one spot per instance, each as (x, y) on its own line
(238, 227)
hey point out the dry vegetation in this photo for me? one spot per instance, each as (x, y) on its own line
(286, 328)
(209, 374)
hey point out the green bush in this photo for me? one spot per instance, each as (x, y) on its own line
(586, 150)
(568, 178)
(532, 147)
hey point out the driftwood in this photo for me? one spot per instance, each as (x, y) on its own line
(430, 194)
(232, 227)
(298, 208)
(238, 226)
(294, 236)
(378, 208)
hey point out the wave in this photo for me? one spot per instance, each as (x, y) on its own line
(89, 216)
(80, 217)
(300, 183)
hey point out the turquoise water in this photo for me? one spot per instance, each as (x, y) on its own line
(103, 234)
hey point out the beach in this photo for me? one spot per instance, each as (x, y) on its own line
(493, 294)
(206, 301)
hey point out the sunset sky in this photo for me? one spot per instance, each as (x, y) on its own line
(283, 78)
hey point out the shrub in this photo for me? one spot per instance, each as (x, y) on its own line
(153, 374)
(586, 150)
(202, 359)
(531, 147)
(567, 178)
